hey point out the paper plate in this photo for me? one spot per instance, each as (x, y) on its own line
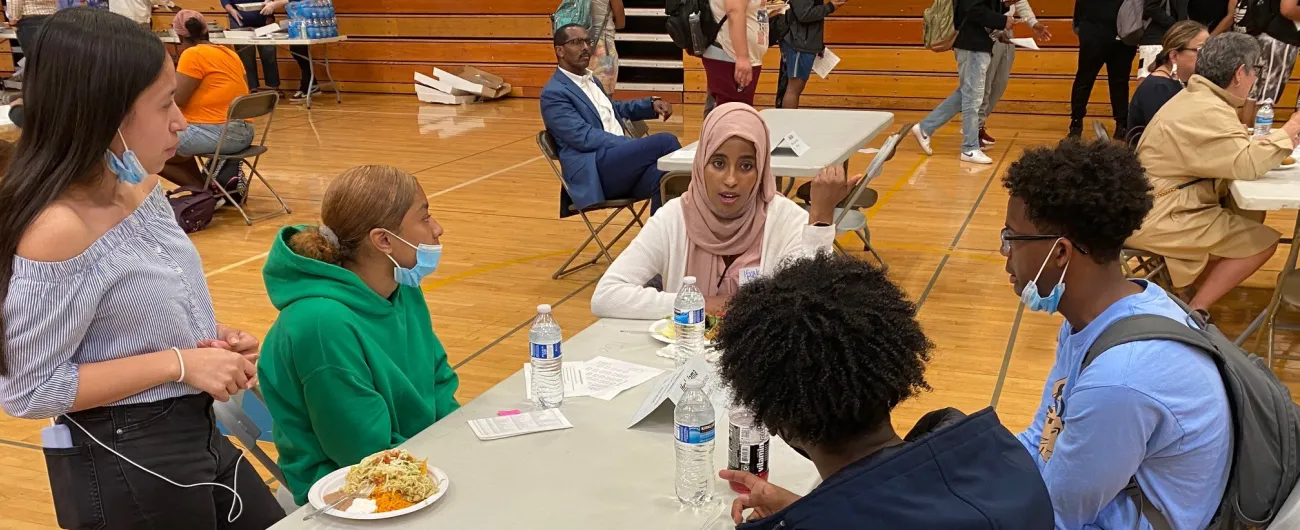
(657, 330)
(334, 481)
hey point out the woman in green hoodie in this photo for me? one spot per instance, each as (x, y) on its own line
(352, 366)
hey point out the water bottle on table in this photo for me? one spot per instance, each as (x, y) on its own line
(544, 345)
(748, 446)
(688, 321)
(1264, 119)
(694, 438)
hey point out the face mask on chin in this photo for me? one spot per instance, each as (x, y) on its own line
(1037, 302)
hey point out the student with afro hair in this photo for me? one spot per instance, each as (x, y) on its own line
(1151, 410)
(821, 352)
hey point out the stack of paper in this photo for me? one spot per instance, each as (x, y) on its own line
(601, 378)
(519, 424)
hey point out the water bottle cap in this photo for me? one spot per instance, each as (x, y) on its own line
(544, 308)
(689, 280)
(696, 383)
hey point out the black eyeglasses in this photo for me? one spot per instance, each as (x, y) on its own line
(1008, 236)
(587, 42)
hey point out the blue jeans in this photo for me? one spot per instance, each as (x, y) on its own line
(630, 170)
(971, 69)
(200, 139)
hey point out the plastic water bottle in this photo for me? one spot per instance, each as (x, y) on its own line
(688, 320)
(694, 418)
(1264, 118)
(748, 446)
(544, 345)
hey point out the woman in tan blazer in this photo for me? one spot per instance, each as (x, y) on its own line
(1192, 148)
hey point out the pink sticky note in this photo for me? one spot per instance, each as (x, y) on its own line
(507, 412)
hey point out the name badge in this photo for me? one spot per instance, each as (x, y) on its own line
(748, 275)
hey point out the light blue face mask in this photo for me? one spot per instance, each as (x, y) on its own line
(1035, 301)
(127, 168)
(426, 261)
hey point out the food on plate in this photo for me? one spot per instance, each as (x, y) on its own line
(395, 479)
(362, 506)
(1288, 160)
(710, 327)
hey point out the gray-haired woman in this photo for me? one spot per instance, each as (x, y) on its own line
(1192, 147)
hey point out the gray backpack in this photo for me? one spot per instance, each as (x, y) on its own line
(1265, 423)
(1131, 24)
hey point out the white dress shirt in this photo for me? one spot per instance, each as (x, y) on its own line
(141, 11)
(604, 106)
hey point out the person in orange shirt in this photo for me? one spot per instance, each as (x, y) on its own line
(208, 79)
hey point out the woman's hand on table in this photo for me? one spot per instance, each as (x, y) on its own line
(219, 372)
(764, 498)
(829, 188)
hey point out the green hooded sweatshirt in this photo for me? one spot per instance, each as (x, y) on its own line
(345, 372)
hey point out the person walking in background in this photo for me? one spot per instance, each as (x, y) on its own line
(1003, 56)
(27, 17)
(139, 11)
(735, 60)
(974, 19)
(606, 17)
(802, 44)
(248, 53)
(1162, 14)
(1279, 40)
(1099, 45)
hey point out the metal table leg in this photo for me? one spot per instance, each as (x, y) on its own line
(338, 98)
(1268, 313)
(311, 83)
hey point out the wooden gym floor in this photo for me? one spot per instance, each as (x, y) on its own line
(936, 223)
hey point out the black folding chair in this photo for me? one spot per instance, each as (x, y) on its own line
(547, 144)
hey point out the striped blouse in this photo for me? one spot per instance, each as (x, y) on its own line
(138, 289)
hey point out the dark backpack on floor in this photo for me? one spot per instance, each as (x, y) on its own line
(193, 207)
(691, 25)
(1265, 421)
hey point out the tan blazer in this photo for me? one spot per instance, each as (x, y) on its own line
(1197, 135)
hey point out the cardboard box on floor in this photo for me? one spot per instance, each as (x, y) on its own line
(469, 86)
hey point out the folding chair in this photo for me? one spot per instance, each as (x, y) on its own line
(1135, 136)
(1099, 129)
(849, 216)
(636, 129)
(673, 185)
(1143, 265)
(547, 144)
(245, 108)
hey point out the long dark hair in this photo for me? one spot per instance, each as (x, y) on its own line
(86, 70)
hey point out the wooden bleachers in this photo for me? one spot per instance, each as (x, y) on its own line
(883, 65)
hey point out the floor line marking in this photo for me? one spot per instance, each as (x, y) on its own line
(1006, 358)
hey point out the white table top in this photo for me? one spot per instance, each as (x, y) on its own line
(599, 474)
(264, 42)
(832, 136)
(1276, 190)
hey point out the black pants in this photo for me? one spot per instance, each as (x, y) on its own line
(1117, 57)
(27, 29)
(300, 55)
(248, 55)
(176, 438)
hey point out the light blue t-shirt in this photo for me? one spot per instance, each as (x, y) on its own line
(1154, 409)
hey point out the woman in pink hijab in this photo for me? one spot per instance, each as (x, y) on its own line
(731, 225)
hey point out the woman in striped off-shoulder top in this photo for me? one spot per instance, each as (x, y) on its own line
(108, 324)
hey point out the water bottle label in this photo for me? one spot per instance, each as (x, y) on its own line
(695, 435)
(746, 456)
(688, 317)
(545, 351)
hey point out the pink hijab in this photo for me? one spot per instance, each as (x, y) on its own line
(178, 22)
(711, 237)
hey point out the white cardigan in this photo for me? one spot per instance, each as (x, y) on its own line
(660, 249)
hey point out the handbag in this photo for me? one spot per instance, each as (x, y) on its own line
(193, 207)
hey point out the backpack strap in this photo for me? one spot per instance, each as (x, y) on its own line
(1138, 328)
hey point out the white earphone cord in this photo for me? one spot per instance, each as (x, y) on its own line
(238, 501)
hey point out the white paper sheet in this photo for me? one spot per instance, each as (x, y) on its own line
(790, 145)
(671, 387)
(824, 63)
(571, 372)
(683, 154)
(519, 424)
(606, 378)
(1025, 42)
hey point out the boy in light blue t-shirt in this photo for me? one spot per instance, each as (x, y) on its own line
(1156, 409)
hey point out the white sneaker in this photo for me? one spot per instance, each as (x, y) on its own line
(976, 156)
(922, 139)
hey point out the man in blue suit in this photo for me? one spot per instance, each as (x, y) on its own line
(599, 161)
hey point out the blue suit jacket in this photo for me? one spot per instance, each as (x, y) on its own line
(574, 123)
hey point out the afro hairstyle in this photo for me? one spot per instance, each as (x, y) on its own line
(1095, 194)
(822, 350)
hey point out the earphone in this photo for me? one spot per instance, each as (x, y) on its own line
(238, 501)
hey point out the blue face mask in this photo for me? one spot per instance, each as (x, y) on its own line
(426, 261)
(127, 168)
(1035, 301)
